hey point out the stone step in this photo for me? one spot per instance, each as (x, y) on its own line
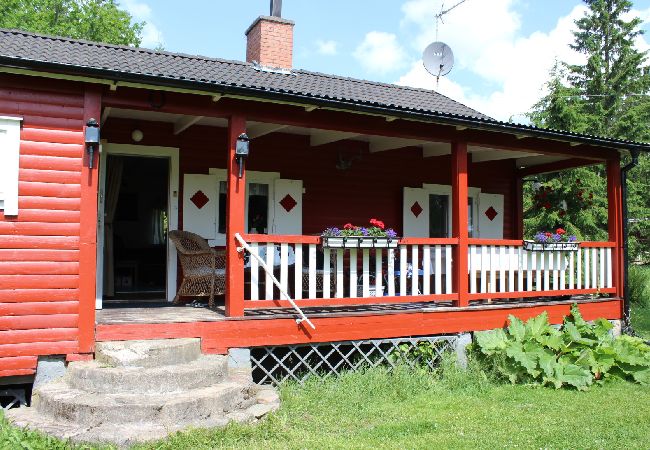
(93, 376)
(62, 402)
(148, 353)
(130, 433)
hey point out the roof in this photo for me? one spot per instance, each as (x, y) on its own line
(35, 51)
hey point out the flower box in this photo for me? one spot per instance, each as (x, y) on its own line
(533, 246)
(359, 242)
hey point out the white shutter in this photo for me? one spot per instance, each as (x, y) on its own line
(9, 157)
(415, 212)
(490, 216)
(200, 205)
(287, 201)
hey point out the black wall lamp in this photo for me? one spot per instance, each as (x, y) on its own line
(241, 151)
(92, 140)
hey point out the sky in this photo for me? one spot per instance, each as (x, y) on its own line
(503, 49)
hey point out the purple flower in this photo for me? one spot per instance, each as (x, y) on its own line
(557, 237)
(541, 238)
(391, 233)
(573, 238)
(332, 232)
(364, 231)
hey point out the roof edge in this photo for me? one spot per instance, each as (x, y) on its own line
(402, 113)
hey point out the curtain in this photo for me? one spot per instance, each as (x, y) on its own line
(114, 171)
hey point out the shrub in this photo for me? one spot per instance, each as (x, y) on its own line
(578, 354)
(639, 284)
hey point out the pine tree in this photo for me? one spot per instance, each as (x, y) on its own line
(605, 96)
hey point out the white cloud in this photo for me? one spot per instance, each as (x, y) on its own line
(327, 47)
(488, 45)
(495, 54)
(151, 35)
(380, 52)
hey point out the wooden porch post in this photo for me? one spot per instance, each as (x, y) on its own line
(88, 233)
(235, 222)
(459, 220)
(615, 221)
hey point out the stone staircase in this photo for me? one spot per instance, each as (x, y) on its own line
(136, 391)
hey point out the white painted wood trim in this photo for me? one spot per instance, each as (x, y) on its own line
(172, 206)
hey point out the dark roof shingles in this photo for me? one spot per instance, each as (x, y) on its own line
(33, 47)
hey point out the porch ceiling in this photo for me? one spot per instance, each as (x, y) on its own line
(319, 137)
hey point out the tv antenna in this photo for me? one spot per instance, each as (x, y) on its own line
(438, 58)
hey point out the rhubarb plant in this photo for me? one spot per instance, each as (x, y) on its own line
(577, 354)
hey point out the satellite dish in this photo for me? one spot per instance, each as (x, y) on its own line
(438, 59)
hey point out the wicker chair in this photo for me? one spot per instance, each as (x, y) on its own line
(204, 268)
(320, 276)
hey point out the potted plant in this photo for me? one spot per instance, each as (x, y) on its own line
(352, 236)
(546, 240)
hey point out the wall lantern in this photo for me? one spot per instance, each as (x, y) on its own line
(92, 140)
(241, 151)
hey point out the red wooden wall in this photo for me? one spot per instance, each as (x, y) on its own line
(39, 248)
(372, 187)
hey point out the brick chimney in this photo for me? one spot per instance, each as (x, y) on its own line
(270, 42)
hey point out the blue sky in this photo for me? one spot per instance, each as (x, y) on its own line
(503, 48)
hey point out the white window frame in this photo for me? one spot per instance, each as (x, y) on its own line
(251, 177)
(445, 189)
(9, 163)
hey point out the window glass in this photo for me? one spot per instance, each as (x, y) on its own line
(222, 208)
(258, 207)
(438, 216)
(470, 216)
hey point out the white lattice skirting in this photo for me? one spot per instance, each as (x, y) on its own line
(322, 360)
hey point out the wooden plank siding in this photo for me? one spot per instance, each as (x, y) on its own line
(39, 248)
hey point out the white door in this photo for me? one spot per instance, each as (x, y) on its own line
(200, 205)
(415, 212)
(490, 216)
(287, 196)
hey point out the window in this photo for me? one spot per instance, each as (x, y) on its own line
(258, 208)
(9, 149)
(439, 212)
(438, 215)
(223, 189)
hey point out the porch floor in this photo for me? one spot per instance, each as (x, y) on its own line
(163, 313)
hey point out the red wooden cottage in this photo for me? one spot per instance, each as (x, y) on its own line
(84, 249)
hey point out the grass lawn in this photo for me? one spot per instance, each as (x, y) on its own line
(412, 410)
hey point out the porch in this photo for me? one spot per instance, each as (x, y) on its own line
(277, 326)
(453, 195)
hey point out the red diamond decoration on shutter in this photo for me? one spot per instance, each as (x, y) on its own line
(491, 213)
(416, 209)
(199, 199)
(288, 203)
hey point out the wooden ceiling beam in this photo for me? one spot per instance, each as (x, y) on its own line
(184, 123)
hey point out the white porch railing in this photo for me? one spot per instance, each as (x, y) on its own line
(418, 267)
(497, 267)
(417, 270)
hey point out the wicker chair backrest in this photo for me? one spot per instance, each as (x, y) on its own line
(186, 241)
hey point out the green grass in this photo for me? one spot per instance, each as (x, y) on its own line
(640, 306)
(415, 410)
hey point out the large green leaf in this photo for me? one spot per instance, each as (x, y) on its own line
(491, 341)
(528, 360)
(642, 376)
(516, 328)
(538, 325)
(576, 376)
(552, 340)
(601, 328)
